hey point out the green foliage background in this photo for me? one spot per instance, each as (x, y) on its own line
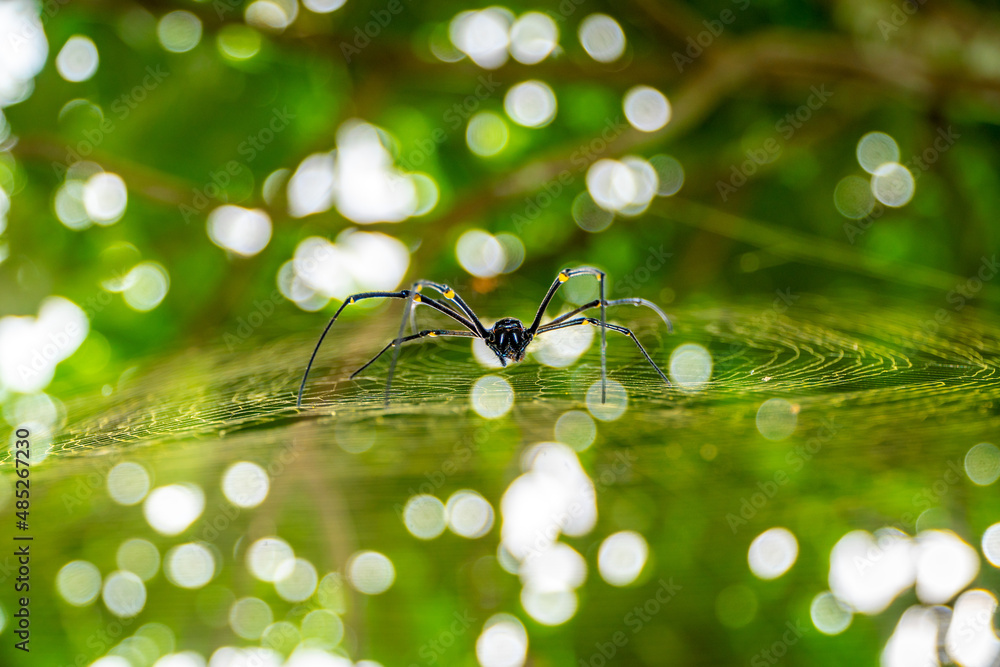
(909, 74)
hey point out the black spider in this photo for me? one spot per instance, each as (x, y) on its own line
(508, 337)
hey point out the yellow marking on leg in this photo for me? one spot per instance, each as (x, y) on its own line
(449, 294)
(563, 277)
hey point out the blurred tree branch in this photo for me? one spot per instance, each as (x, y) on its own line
(729, 65)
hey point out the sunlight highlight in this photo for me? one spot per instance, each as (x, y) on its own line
(533, 37)
(243, 231)
(772, 553)
(492, 397)
(531, 104)
(424, 516)
(690, 366)
(79, 582)
(621, 557)
(502, 643)
(370, 572)
(171, 509)
(646, 108)
(77, 60)
(469, 514)
(602, 38)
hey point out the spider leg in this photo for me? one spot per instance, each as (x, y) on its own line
(410, 312)
(617, 302)
(562, 277)
(552, 326)
(450, 294)
(402, 294)
(423, 334)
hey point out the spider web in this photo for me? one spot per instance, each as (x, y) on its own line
(878, 366)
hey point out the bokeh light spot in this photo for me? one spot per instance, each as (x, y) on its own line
(146, 285)
(690, 366)
(502, 643)
(669, 174)
(736, 606)
(424, 516)
(588, 215)
(245, 484)
(991, 544)
(171, 509)
(77, 60)
(875, 149)
(492, 397)
(614, 404)
(777, 418)
(531, 104)
(830, 615)
(646, 108)
(482, 35)
(139, 556)
(486, 134)
(982, 464)
(468, 514)
(772, 553)
(322, 628)
(533, 37)
(370, 572)
(549, 607)
(249, 617)
(602, 38)
(893, 184)
(480, 253)
(79, 582)
(105, 198)
(179, 31)
(295, 579)
(266, 555)
(243, 231)
(621, 557)
(128, 483)
(189, 565)
(853, 197)
(238, 42)
(576, 429)
(124, 594)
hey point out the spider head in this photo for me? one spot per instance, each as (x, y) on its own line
(508, 339)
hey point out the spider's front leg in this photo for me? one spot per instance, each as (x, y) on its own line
(561, 278)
